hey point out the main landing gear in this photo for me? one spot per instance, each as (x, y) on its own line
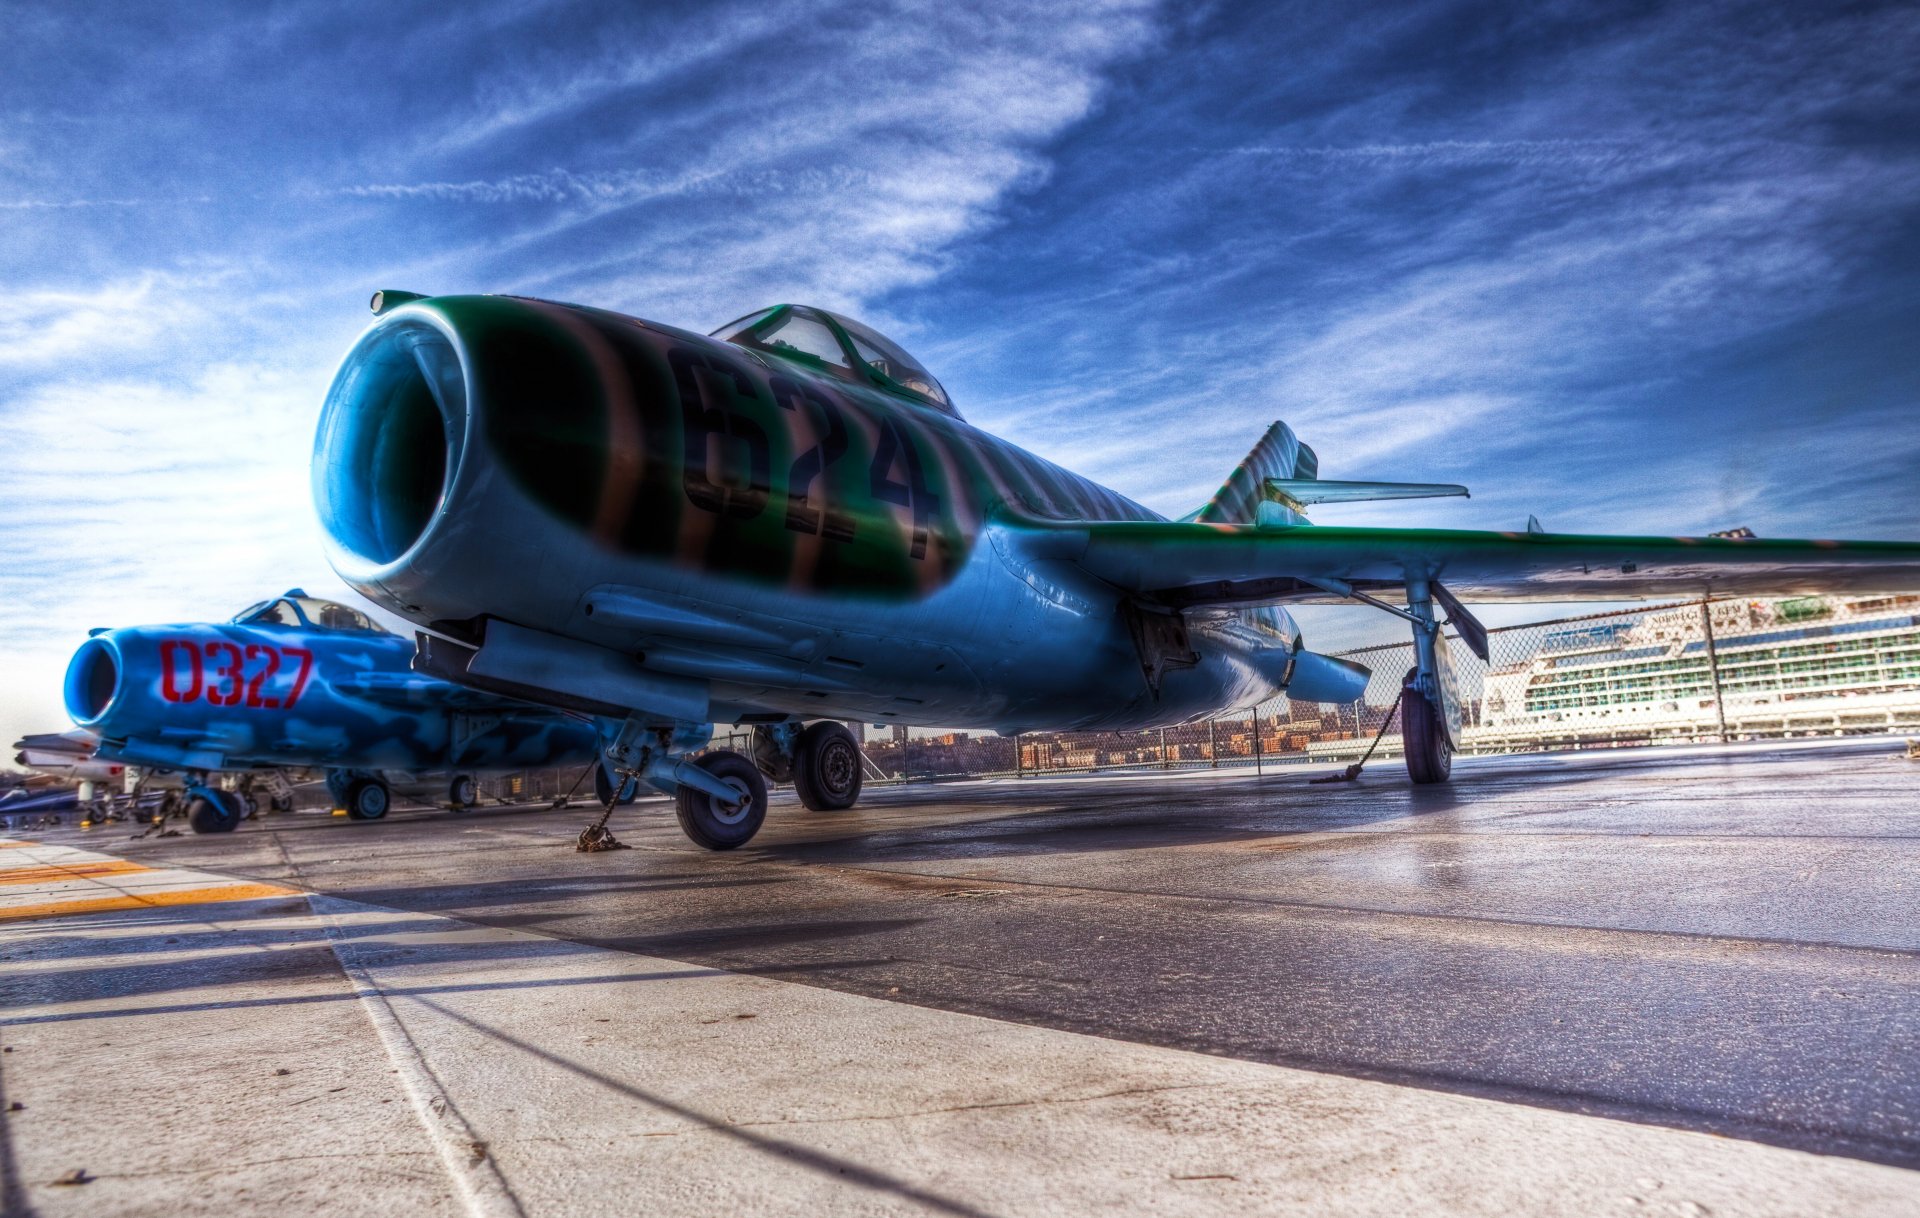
(1426, 729)
(821, 760)
(1423, 730)
(1429, 707)
(364, 796)
(463, 792)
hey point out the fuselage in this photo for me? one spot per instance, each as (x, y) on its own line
(233, 696)
(786, 535)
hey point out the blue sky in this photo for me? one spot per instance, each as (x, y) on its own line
(1628, 266)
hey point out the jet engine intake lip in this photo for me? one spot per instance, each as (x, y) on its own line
(95, 678)
(387, 450)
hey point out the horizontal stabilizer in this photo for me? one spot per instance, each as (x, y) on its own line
(1299, 492)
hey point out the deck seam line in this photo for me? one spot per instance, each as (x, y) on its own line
(477, 1180)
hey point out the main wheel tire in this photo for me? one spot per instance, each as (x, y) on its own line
(213, 812)
(463, 792)
(603, 788)
(1423, 731)
(368, 799)
(827, 773)
(717, 826)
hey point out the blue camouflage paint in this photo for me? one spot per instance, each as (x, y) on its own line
(360, 706)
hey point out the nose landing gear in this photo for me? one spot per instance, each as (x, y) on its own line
(720, 797)
(717, 822)
(211, 810)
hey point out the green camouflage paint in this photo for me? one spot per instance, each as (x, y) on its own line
(674, 446)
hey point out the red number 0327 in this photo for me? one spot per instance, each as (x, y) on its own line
(229, 674)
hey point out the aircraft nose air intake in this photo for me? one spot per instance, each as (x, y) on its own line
(389, 440)
(93, 681)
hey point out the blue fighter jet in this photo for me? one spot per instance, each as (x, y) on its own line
(299, 682)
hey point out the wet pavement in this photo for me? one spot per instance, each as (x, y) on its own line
(1722, 941)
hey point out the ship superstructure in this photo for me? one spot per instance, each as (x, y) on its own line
(1809, 665)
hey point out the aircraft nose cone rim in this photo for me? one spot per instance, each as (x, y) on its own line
(373, 520)
(96, 678)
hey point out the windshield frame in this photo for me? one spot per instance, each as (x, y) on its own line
(745, 332)
(847, 328)
(256, 615)
(750, 336)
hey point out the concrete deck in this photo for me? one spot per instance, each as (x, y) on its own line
(1638, 983)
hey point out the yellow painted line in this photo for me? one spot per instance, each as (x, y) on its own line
(69, 871)
(125, 901)
(11, 845)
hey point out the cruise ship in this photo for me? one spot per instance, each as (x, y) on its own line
(1806, 666)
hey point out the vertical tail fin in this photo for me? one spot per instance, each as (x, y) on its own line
(1279, 454)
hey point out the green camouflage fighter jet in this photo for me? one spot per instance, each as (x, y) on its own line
(788, 521)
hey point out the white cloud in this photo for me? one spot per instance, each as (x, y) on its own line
(870, 145)
(42, 325)
(131, 501)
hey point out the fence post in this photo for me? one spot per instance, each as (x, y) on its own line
(1257, 770)
(1018, 769)
(1213, 746)
(1165, 762)
(1713, 668)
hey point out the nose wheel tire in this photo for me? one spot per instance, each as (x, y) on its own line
(463, 792)
(717, 824)
(368, 799)
(1424, 733)
(214, 812)
(827, 772)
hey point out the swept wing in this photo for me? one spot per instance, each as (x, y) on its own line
(1183, 563)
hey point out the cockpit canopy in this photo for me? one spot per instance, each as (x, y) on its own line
(839, 346)
(298, 609)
